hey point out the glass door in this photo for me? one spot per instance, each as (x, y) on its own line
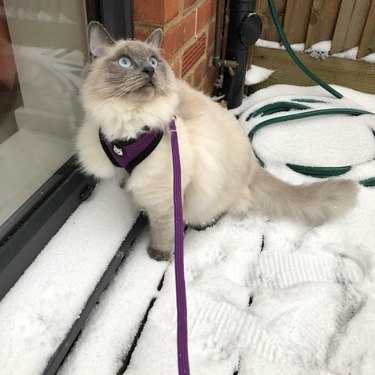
(43, 51)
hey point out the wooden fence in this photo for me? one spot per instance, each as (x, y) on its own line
(348, 23)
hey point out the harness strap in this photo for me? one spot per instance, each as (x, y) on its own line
(129, 153)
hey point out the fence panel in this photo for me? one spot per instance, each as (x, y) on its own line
(367, 44)
(322, 21)
(269, 31)
(296, 21)
(350, 24)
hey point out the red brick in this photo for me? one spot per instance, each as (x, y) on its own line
(200, 72)
(141, 32)
(204, 14)
(213, 7)
(193, 53)
(178, 35)
(189, 3)
(155, 12)
(209, 81)
(176, 66)
(210, 54)
(171, 9)
(190, 79)
(211, 33)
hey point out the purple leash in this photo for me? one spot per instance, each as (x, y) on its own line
(128, 154)
(182, 334)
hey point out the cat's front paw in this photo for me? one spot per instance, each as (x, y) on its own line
(158, 254)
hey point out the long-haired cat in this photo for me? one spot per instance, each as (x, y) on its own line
(131, 89)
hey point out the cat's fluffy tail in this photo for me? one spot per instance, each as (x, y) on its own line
(312, 203)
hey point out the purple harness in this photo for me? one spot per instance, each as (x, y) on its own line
(129, 153)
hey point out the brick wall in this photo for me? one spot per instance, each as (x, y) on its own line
(189, 35)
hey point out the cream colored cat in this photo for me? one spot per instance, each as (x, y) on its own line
(130, 86)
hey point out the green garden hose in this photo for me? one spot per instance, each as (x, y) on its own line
(295, 58)
(269, 109)
(282, 106)
(314, 113)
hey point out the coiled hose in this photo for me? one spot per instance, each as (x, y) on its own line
(320, 172)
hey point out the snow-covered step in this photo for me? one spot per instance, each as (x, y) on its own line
(39, 311)
(215, 262)
(107, 339)
(108, 336)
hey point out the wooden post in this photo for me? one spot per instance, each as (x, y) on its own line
(269, 31)
(350, 24)
(367, 44)
(322, 21)
(296, 21)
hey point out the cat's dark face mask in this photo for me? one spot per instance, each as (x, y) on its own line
(136, 69)
(130, 69)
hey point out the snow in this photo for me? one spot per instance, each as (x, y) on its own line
(332, 140)
(312, 289)
(257, 74)
(267, 44)
(40, 309)
(369, 58)
(298, 47)
(324, 46)
(125, 303)
(320, 50)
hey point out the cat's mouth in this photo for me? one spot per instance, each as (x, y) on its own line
(148, 84)
(145, 89)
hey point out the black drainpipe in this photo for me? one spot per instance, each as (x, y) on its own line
(244, 30)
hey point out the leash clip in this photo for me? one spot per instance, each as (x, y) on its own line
(172, 125)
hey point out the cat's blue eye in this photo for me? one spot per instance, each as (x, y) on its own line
(153, 62)
(125, 62)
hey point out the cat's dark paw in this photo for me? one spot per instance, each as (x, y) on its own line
(158, 254)
(122, 183)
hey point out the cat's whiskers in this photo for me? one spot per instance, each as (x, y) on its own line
(121, 79)
(122, 87)
(162, 86)
(125, 80)
(130, 85)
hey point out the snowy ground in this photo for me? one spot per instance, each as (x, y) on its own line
(264, 297)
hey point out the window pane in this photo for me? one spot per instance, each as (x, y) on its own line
(42, 54)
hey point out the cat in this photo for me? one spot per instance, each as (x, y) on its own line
(129, 89)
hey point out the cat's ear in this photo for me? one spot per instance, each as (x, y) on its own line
(155, 38)
(98, 39)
